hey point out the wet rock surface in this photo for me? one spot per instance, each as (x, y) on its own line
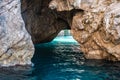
(96, 27)
(15, 43)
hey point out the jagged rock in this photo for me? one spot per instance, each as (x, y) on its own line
(86, 5)
(42, 23)
(96, 28)
(15, 43)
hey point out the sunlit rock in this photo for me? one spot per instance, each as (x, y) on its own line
(16, 47)
(87, 5)
(96, 28)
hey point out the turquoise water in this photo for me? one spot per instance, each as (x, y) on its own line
(64, 39)
(62, 60)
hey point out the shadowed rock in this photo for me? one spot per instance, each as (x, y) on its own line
(42, 23)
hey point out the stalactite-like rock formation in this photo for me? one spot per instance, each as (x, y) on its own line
(15, 43)
(96, 28)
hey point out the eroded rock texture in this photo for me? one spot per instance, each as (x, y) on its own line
(41, 22)
(15, 43)
(96, 28)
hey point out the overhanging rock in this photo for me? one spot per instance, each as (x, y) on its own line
(96, 28)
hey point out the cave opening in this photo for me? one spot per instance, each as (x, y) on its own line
(58, 58)
(52, 57)
(64, 36)
(57, 55)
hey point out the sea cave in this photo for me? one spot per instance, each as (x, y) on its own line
(59, 39)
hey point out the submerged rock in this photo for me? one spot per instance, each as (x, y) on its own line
(96, 28)
(15, 43)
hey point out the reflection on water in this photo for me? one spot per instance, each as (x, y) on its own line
(62, 61)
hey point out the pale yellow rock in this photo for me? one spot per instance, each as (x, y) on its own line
(96, 28)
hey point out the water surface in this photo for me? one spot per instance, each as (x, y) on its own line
(61, 59)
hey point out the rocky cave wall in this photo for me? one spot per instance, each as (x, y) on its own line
(95, 24)
(43, 23)
(97, 28)
(16, 47)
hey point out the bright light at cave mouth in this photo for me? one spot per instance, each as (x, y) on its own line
(64, 36)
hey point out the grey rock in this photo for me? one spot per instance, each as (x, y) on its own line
(16, 46)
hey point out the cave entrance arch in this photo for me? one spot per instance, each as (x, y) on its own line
(62, 44)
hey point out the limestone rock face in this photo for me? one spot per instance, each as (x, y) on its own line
(42, 23)
(87, 5)
(15, 43)
(96, 28)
